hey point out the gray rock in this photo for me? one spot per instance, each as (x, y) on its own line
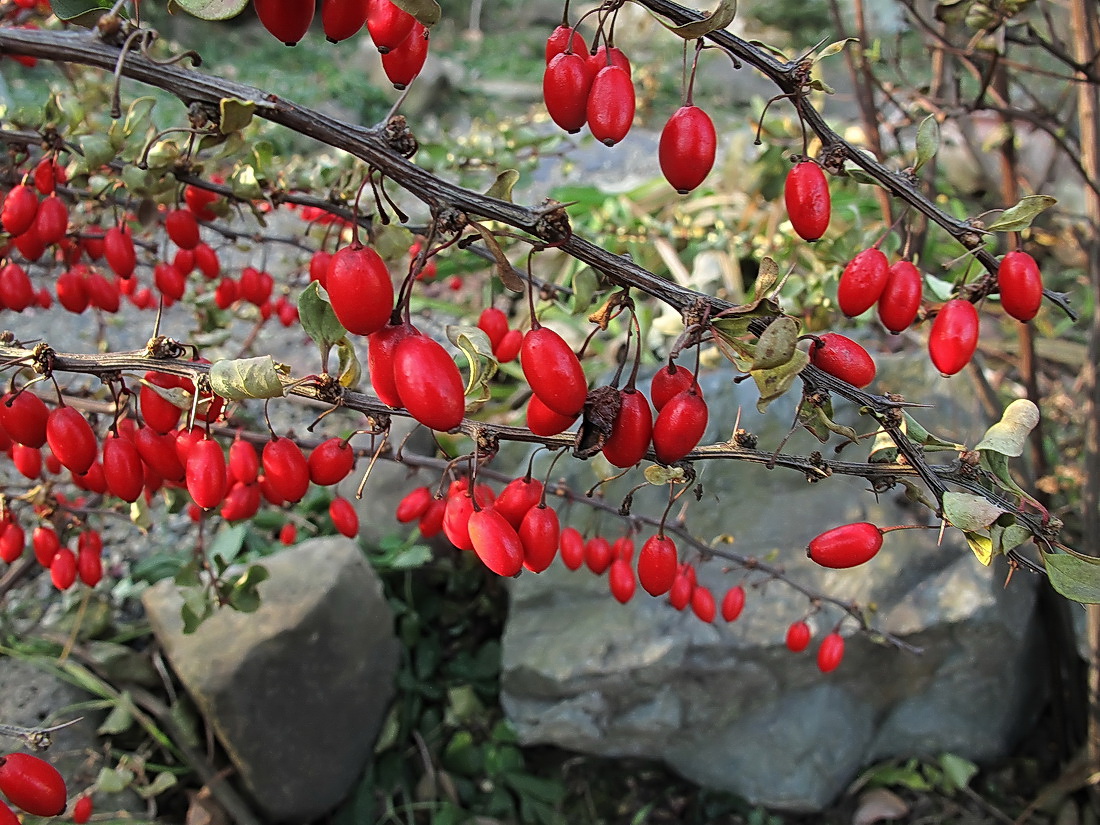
(296, 691)
(728, 706)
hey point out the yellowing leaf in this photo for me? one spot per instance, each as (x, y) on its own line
(503, 185)
(1009, 435)
(721, 17)
(235, 114)
(243, 378)
(981, 546)
(776, 345)
(1020, 216)
(969, 512)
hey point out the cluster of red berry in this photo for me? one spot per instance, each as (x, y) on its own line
(401, 38)
(34, 786)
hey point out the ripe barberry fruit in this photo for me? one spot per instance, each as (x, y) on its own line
(806, 194)
(287, 20)
(953, 338)
(830, 652)
(414, 504)
(118, 249)
(1020, 284)
(846, 546)
(669, 381)
(540, 533)
(341, 19)
(658, 564)
(541, 420)
(844, 358)
(82, 810)
(631, 431)
(733, 603)
(71, 439)
(63, 569)
(553, 371)
(344, 518)
(387, 24)
(620, 578)
(428, 383)
(687, 148)
(32, 784)
(23, 417)
(496, 542)
(862, 282)
(331, 461)
(359, 289)
(205, 476)
(404, 61)
(798, 636)
(559, 41)
(571, 546)
(19, 210)
(565, 86)
(900, 299)
(182, 228)
(702, 604)
(286, 468)
(679, 426)
(609, 109)
(597, 554)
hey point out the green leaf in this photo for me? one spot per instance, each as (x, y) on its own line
(71, 9)
(928, 141)
(245, 595)
(1006, 538)
(997, 466)
(504, 184)
(773, 383)
(120, 719)
(969, 512)
(235, 114)
(243, 183)
(113, 780)
(212, 9)
(835, 48)
(98, 151)
(503, 266)
(776, 345)
(318, 320)
(721, 17)
(957, 771)
(239, 379)
(163, 782)
(1075, 577)
(916, 433)
(585, 284)
(426, 11)
(1020, 216)
(229, 541)
(981, 546)
(1009, 435)
(476, 347)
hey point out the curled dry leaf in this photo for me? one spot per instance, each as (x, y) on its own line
(879, 804)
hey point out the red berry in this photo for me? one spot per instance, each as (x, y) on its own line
(428, 383)
(360, 289)
(604, 57)
(169, 281)
(493, 323)
(901, 297)
(63, 569)
(414, 504)
(404, 61)
(559, 41)
(670, 381)
(431, 521)
(679, 426)
(206, 259)
(954, 336)
(687, 148)
(32, 784)
(844, 358)
(658, 564)
(122, 468)
(846, 546)
(631, 431)
(610, 106)
(7, 815)
(206, 477)
(517, 498)
(287, 20)
(30, 244)
(27, 460)
(331, 461)
(12, 542)
(82, 810)
(509, 346)
(597, 554)
(553, 371)
(620, 578)
(565, 86)
(733, 603)
(16, 290)
(72, 290)
(388, 25)
(496, 542)
(47, 174)
(20, 207)
(288, 533)
(806, 195)
(45, 542)
(702, 604)
(830, 652)
(1020, 284)
(318, 266)
(540, 534)
(380, 347)
(241, 502)
(342, 18)
(52, 220)
(157, 411)
(72, 439)
(679, 596)
(541, 420)
(798, 637)
(183, 228)
(23, 417)
(199, 200)
(286, 469)
(244, 461)
(344, 518)
(571, 546)
(118, 248)
(862, 282)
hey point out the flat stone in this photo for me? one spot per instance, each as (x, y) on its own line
(297, 690)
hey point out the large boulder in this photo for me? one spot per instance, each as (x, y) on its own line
(297, 690)
(728, 706)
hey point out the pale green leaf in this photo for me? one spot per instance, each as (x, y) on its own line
(120, 719)
(776, 345)
(1075, 577)
(426, 11)
(474, 344)
(503, 267)
(71, 9)
(1009, 435)
(239, 379)
(212, 9)
(504, 184)
(772, 383)
(835, 48)
(656, 474)
(928, 141)
(969, 512)
(350, 368)
(1020, 216)
(235, 114)
(318, 320)
(721, 17)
